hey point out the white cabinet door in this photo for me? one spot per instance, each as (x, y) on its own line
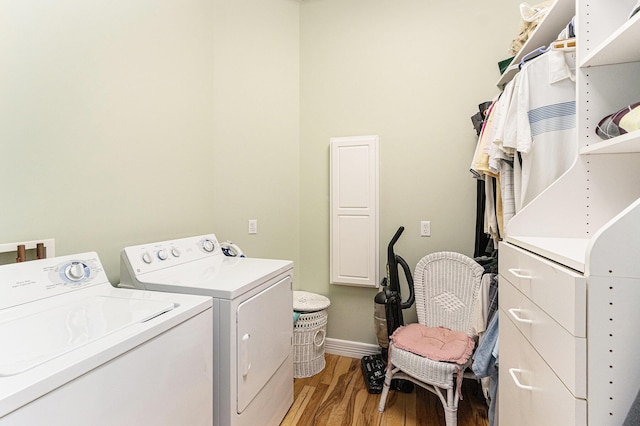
(354, 211)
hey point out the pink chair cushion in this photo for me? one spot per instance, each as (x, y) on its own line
(436, 343)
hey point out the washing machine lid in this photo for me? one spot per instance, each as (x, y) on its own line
(219, 277)
(34, 338)
(55, 363)
(53, 331)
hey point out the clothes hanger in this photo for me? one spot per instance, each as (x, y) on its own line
(565, 45)
(533, 54)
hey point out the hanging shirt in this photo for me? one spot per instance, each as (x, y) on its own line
(480, 162)
(545, 104)
(501, 157)
(505, 122)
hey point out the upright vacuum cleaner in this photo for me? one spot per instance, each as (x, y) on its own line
(388, 306)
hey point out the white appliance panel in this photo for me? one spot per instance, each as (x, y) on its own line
(264, 338)
(48, 279)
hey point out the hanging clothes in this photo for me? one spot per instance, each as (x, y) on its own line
(482, 245)
(480, 170)
(485, 364)
(545, 133)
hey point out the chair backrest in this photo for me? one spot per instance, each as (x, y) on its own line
(447, 286)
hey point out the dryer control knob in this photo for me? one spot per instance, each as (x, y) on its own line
(175, 252)
(146, 257)
(162, 254)
(75, 271)
(208, 245)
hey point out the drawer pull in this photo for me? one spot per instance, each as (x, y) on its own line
(515, 314)
(518, 274)
(513, 371)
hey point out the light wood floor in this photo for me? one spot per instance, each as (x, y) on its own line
(338, 396)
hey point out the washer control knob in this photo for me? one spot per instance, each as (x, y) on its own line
(162, 254)
(175, 252)
(208, 245)
(75, 271)
(146, 257)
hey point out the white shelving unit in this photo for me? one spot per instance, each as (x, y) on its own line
(547, 31)
(585, 228)
(620, 46)
(624, 144)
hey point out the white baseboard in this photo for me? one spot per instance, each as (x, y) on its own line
(349, 348)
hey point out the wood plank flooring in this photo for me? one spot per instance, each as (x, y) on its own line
(338, 396)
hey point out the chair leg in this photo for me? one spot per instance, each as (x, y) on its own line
(385, 389)
(451, 409)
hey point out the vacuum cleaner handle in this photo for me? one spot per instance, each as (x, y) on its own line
(395, 237)
(407, 273)
(392, 264)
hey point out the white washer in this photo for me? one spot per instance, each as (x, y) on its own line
(252, 320)
(77, 351)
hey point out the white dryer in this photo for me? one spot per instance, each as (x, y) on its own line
(252, 320)
(77, 351)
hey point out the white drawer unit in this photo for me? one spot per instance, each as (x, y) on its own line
(565, 353)
(559, 291)
(530, 392)
(544, 364)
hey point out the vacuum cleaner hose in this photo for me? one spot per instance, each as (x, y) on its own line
(407, 273)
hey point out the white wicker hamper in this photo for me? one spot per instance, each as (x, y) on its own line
(309, 333)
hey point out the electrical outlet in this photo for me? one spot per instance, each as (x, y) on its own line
(253, 226)
(425, 228)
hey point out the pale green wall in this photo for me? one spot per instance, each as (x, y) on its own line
(256, 125)
(412, 72)
(123, 122)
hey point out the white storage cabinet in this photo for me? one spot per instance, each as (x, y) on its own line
(570, 260)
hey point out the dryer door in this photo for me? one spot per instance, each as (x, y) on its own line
(265, 333)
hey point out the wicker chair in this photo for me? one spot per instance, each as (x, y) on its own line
(447, 285)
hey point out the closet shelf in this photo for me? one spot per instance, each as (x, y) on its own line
(546, 32)
(570, 252)
(619, 47)
(627, 143)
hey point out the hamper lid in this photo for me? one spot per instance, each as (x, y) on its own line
(304, 301)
